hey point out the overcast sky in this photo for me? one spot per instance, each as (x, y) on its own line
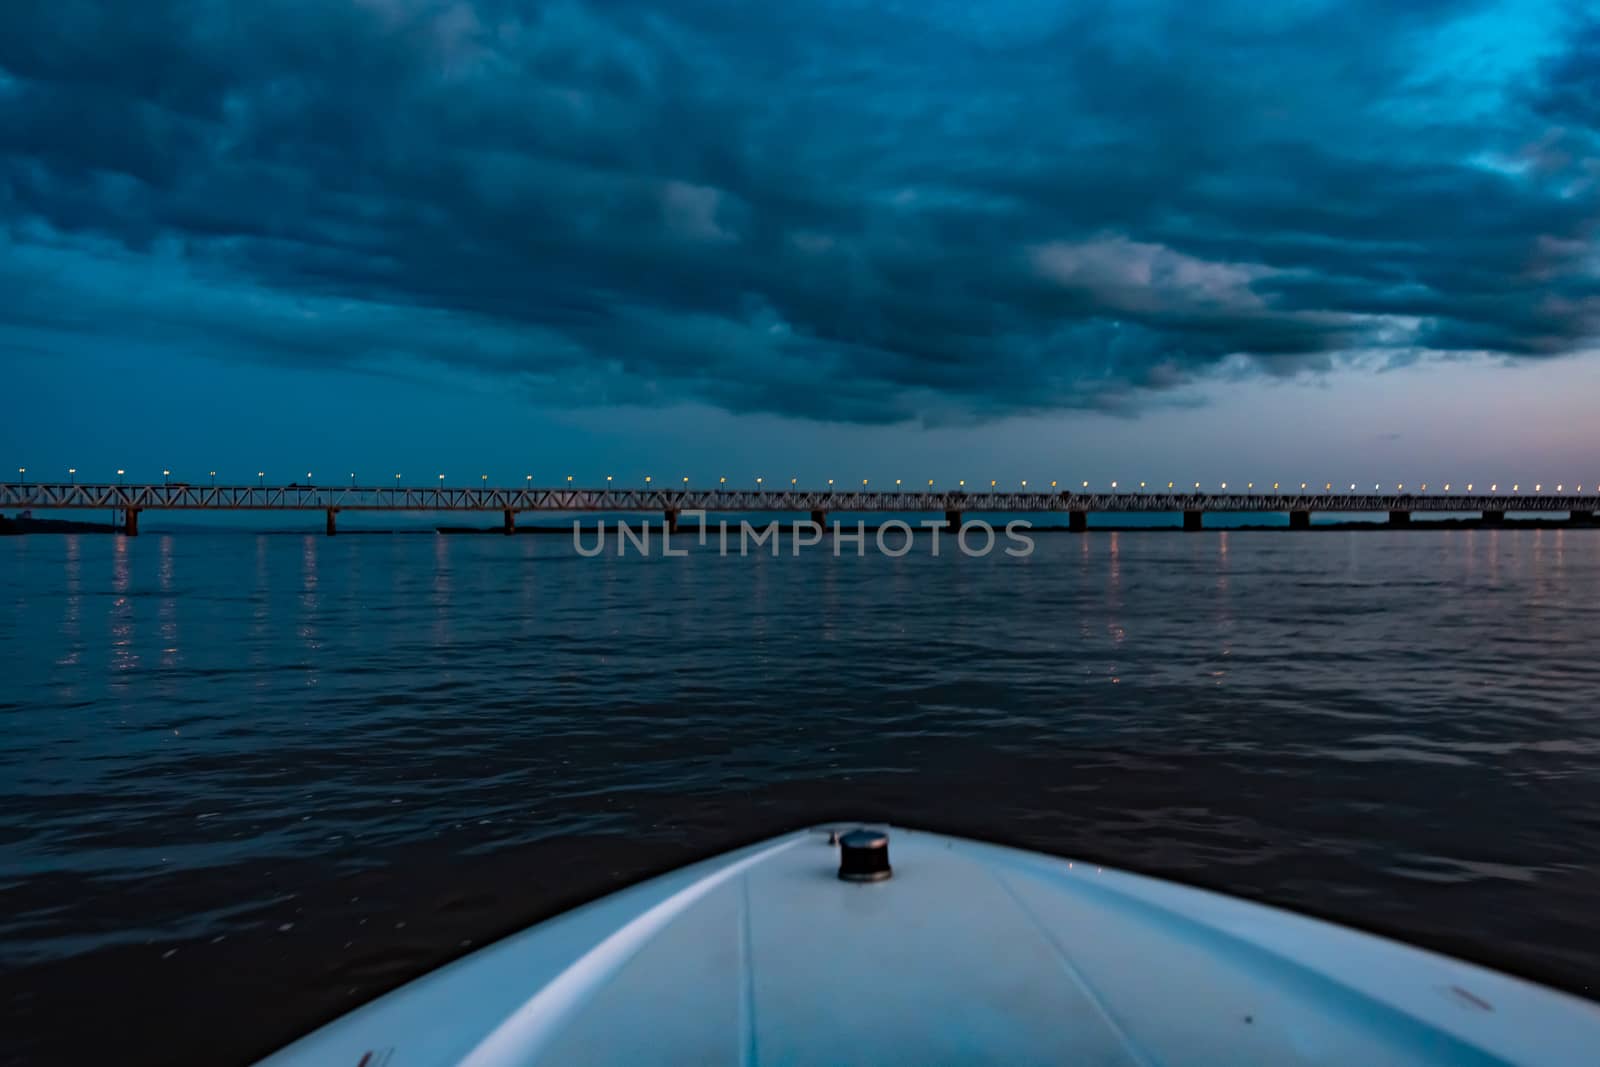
(832, 238)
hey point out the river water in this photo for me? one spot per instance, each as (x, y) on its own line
(248, 781)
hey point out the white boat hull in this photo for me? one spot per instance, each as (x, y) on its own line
(970, 953)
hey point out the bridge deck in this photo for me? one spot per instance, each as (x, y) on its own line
(46, 496)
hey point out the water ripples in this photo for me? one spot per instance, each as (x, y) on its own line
(1391, 728)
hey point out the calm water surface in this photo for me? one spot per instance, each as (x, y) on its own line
(249, 781)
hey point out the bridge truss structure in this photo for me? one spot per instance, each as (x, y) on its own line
(179, 497)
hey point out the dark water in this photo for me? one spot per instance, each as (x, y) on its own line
(247, 782)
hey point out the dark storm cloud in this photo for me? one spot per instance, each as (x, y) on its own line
(848, 210)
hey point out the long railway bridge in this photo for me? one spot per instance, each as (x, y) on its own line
(131, 500)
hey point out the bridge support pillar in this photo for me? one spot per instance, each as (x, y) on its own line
(1078, 521)
(1194, 520)
(820, 518)
(1399, 518)
(1493, 518)
(333, 526)
(130, 522)
(1584, 517)
(510, 520)
(669, 518)
(952, 520)
(1299, 520)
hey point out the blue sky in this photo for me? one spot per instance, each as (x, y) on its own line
(834, 239)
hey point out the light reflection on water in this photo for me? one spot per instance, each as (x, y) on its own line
(72, 618)
(123, 655)
(167, 613)
(310, 609)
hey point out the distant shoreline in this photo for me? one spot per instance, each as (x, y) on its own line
(15, 527)
(19, 526)
(1346, 525)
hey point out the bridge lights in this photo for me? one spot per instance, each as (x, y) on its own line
(22, 475)
(72, 473)
(1025, 483)
(262, 474)
(962, 483)
(1113, 485)
(1447, 487)
(1559, 489)
(686, 481)
(1169, 485)
(647, 480)
(1250, 485)
(830, 483)
(758, 481)
(1538, 489)
(569, 480)
(1086, 485)
(1197, 485)
(1052, 484)
(529, 479)
(897, 483)
(723, 480)
(991, 483)
(1141, 485)
(308, 477)
(1352, 487)
(1303, 487)
(863, 483)
(484, 478)
(441, 481)
(1469, 487)
(1494, 488)
(120, 472)
(1516, 488)
(1224, 485)
(397, 480)
(165, 474)
(608, 481)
